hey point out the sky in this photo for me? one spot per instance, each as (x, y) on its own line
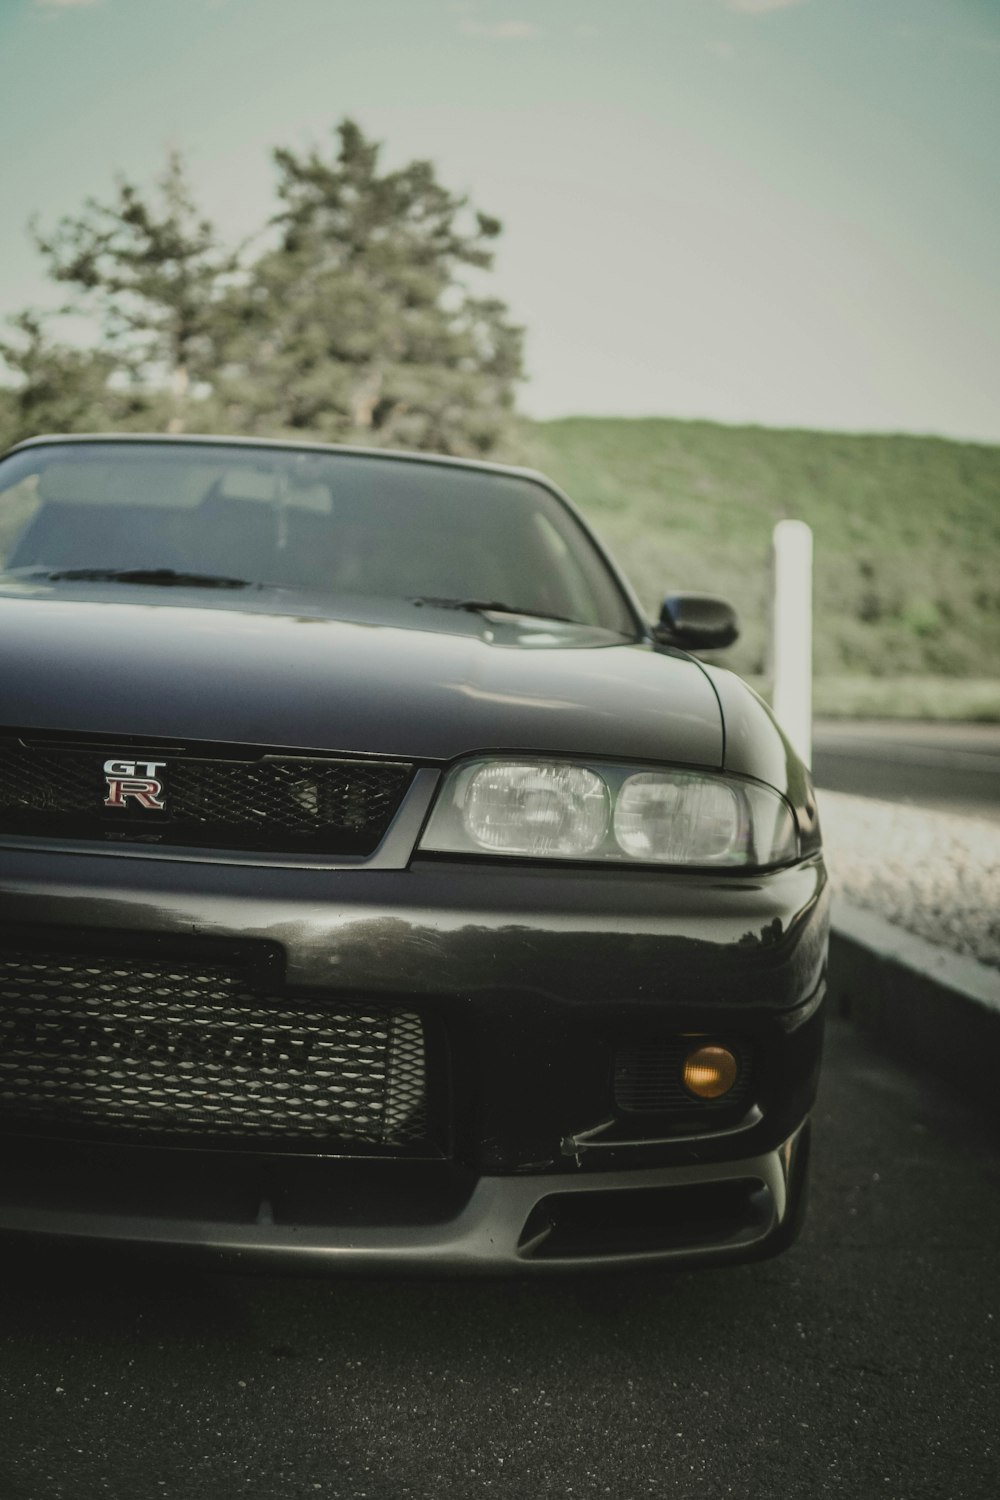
(782, 212)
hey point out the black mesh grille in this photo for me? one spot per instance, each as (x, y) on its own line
(648, 1078)
(129, 1048)
(278, 803)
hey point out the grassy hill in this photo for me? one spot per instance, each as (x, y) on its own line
(907, 535)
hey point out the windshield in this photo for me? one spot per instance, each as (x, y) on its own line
(291, 518)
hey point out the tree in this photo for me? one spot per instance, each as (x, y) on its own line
(57, 388)
(362, 318)
(361, 325)
(155, 273)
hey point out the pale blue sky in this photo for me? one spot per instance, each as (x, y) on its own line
(777, 211)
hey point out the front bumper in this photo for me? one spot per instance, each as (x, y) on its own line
(707, 1214)
(530, 977)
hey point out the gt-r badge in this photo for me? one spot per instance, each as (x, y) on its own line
(135, 779)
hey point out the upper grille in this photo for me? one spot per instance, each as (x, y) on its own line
(127, 1047)
(273, 803)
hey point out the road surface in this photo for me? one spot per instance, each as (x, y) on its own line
(953, 767)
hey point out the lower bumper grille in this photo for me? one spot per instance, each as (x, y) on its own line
(130, 1048)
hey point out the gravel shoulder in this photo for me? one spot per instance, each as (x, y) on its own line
(933, 873)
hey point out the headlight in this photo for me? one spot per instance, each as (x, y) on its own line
(547, 809)
(544, 810)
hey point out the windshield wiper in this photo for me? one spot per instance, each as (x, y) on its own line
(163, 577)
(492, 606)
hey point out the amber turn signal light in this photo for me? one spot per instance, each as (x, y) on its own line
(710, 1072)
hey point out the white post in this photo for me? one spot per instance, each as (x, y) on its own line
(791, 647)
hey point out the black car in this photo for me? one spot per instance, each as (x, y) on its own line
(378, 889)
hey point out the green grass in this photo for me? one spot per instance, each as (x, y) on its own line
(972, 699)
(907, 537)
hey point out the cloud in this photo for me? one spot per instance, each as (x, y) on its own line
(501, 31)
(761, 7)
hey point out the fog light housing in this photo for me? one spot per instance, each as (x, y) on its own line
(710, 1072)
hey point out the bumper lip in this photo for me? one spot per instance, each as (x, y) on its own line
(485, 1237)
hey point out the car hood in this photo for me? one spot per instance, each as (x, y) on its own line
(283, 672)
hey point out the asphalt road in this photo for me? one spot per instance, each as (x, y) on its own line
(861, 1364)
(953, 767)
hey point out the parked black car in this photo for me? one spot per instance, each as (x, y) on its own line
(377, 887)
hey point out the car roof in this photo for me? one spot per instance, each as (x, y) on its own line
(286, 444)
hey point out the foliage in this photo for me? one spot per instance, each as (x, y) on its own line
(58, 388)
(358, 325)
(154, 272)
(356, 318)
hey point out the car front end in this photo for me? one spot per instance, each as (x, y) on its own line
(390, 934)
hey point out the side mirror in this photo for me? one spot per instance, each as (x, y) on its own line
(697, 622)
